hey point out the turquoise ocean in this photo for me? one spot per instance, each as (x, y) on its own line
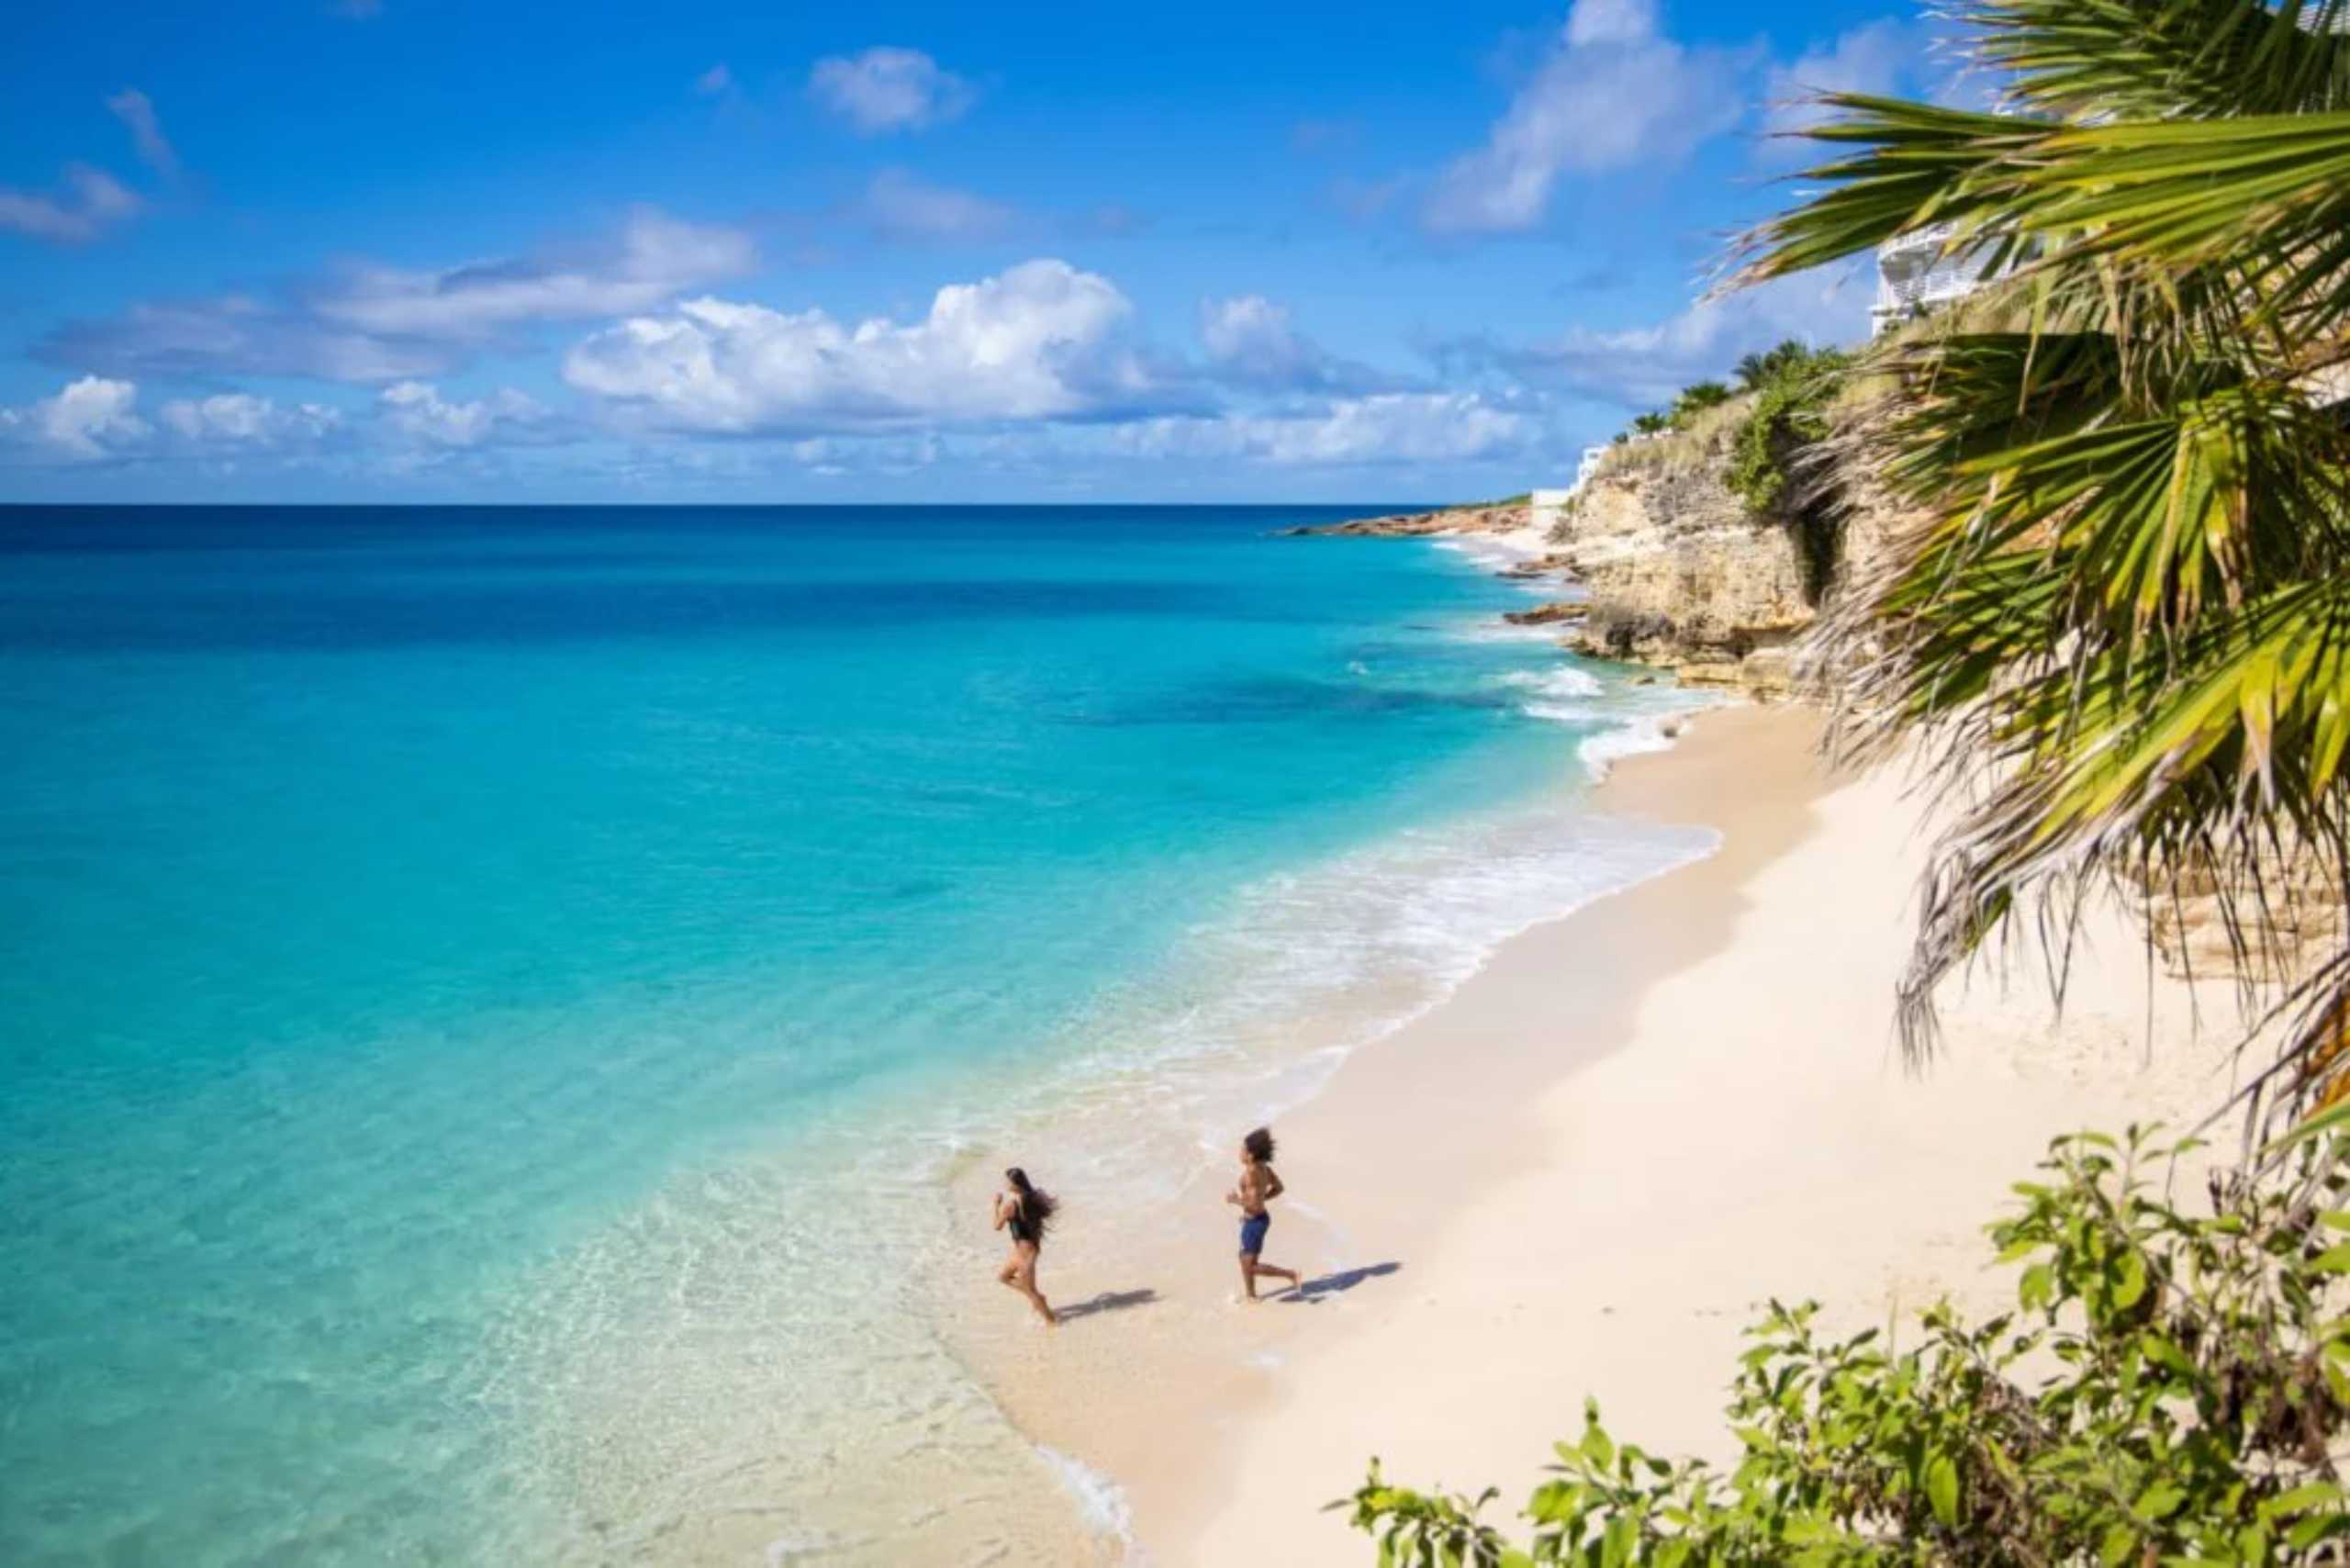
(489, 998)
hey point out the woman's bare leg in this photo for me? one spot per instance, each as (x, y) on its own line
(1024, 1282)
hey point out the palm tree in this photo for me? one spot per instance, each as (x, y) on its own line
(2119, 620)
(1755, 371)
(1696, 399)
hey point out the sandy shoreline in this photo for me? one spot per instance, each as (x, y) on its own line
(1580, 1174)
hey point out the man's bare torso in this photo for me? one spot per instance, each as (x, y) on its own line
(1255, 1184)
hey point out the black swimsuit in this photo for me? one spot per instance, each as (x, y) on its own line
(1022, 1228)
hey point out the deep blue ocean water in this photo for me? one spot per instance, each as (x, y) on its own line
(394, 903)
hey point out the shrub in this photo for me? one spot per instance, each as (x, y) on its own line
(2165, 1392)
(1790, 412)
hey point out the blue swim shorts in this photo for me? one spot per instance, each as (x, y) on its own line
(1253, 1234)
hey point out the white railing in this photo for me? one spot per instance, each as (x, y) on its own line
(1917, 271)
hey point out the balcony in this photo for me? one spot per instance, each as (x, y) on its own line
(1915, 273)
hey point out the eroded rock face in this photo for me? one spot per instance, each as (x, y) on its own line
(1680, 574)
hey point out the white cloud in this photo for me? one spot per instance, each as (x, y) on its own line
(242, 419)
(1611, 93)
(135, 110)
(417, 411)
(883, 90)
(656, 257)
(1610, 21)
(1249, 327)
(1875, 58)
(1041, 341)
(92, 202)
(1389, 427)
(94, 419)
(717, 79)
(900, 206)
(371, 324)
(87, 420)
(1645, 366)
(1253, 343)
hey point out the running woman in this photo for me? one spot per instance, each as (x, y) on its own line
(1025, 1210)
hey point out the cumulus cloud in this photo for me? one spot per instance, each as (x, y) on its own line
(902, 205)
(418, 411)
(1644, 366)
(1041, 341)
(1253, 343)
(884, 90)
(1878, 58)
(242, 419)
(1611, 92)
(95, 419)
(368, 324)
(1389, 427)
(91, 202)
(88, 420)
(137, 113)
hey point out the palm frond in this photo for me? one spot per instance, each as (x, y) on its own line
(2165, 58)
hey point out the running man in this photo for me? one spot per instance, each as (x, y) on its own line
(1258, 1185)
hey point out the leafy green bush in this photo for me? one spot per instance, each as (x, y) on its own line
(2165, 1392)
(1790, 412)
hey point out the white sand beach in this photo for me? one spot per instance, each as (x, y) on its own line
(1585, 1172)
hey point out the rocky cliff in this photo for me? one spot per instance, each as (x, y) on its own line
(1675, 572)
(1662, 564)
(1672, 568)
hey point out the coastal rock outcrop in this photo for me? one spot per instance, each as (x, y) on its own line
(1679, 572)
(1665, 564)
(1495, 517)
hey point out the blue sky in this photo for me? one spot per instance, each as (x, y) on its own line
(419, 249)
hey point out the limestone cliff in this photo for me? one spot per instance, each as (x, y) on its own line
(1663, 564)
(1677, 572)
(1672, 568)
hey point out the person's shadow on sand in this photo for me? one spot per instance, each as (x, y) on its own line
(1109, 1300)
(1312, 1292)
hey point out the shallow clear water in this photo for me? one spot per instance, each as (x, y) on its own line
(445, 955)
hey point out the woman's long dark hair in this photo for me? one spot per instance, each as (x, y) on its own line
(1036, 1205)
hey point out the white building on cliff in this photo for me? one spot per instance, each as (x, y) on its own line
(1914, 274)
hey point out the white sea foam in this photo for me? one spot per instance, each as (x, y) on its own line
(1565, 680)
(1495, 550)
(1100, 1502)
